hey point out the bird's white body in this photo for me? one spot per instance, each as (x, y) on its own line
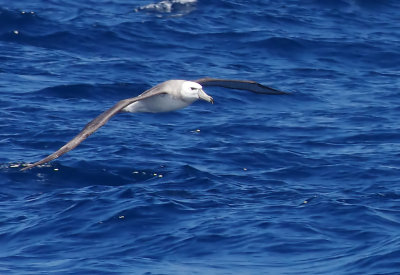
(179, 94)
(157, 104)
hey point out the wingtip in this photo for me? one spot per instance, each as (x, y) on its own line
(272, 91)
(26, 168)
(30, 166)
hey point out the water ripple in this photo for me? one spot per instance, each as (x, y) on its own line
(252, 184)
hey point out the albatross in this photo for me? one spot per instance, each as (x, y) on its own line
(167, 96)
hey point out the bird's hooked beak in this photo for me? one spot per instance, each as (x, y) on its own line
(206, 97)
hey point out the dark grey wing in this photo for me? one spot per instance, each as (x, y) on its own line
(248, 85)
(95, 124)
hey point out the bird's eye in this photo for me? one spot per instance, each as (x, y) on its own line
(193, 88)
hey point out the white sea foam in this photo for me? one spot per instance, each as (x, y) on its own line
(170, 6)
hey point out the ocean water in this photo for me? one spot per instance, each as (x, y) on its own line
(254, 184)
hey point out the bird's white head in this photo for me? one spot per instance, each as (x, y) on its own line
(193, 91)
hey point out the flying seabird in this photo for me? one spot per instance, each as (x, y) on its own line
(167, 96)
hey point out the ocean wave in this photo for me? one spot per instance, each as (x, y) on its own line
(95, 91)
(251, 184)
(13, 20)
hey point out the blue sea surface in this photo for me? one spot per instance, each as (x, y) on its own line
(306, 183)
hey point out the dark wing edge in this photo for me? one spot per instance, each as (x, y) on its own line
(248, 85)
(95, 124)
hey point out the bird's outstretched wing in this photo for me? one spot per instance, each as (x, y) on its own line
(240, 85)
(95, 124)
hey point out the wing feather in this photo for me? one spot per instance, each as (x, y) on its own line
(248, 85)
(95, 124)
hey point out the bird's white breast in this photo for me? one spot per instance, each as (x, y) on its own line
(157, 104)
